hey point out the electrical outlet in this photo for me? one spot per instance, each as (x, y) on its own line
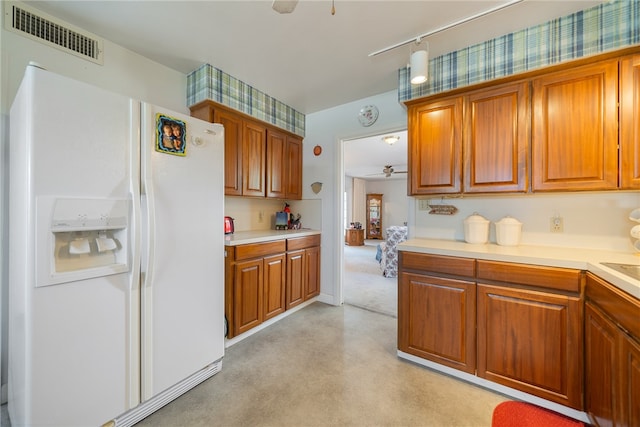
(557, 224)
(423, 204)
(260, 216)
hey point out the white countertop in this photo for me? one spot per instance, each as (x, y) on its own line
(259, 236)
(582, 259)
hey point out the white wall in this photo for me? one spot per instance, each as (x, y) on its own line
(123, 72)
(591, 220)
(395, 202)
(328, 128)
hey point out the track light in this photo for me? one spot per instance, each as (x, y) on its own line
(419, 63)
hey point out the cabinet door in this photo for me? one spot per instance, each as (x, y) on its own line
(248, 295)
(436, 320)
(295, 278)
(630, 380)
(630, 122)
(601, 373)
(575, 129)
(293, 183)
(435, 147)
(276, 167)
(496, 139)
(253, 159)
(531, 341)
(312, 267)
(274, 285)
(232, 151)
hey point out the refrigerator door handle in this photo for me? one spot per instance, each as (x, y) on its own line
(148, 230)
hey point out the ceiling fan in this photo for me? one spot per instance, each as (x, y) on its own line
(388, 170)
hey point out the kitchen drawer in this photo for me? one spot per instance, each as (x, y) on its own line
(303, 242)
(563, 279)
(256, 250)
(438, 264)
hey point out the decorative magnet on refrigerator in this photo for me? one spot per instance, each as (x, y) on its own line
(170, 135)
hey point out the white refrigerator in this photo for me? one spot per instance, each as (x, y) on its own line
(116, 262)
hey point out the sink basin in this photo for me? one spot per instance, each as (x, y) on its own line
(631, 270)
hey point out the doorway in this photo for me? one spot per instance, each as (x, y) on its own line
(377, 167)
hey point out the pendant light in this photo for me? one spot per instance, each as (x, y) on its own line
(419, 63)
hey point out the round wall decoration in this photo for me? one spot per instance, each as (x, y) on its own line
(317, 150)
(368, 115)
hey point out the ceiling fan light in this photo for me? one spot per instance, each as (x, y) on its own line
(419, 66)
(391, 139)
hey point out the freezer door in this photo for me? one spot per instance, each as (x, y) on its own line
(73, 346)
(183, 266)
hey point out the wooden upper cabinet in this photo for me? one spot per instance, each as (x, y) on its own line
(232, 151)
(259, 159)
(575, 129)
(496, 139)
(276, 166)
(284, 166)
(630, 122)
(253, 159)
(293, 184)
(435, 147)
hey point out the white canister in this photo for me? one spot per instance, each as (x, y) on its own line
(476, 229)
(508, 231)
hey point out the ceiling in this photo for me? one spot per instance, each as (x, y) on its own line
(366, 157)
(308, 59)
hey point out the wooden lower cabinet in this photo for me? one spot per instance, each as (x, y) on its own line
(517, 325)
(247, 295)
(259, 291)
(612, 355)
(303, 270)
(295, 278)
(312, 264)
(436, 318)
(531, 341)
(262, 280)
(275, 268)
(254, 284)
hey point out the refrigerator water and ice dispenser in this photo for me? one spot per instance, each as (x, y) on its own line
(87, 238)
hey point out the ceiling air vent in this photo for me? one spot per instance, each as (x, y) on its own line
(36, 25)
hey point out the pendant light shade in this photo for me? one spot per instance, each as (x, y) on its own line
(419, 66)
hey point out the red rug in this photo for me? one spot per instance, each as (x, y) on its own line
(521, 414)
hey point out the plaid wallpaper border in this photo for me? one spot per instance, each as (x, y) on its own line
(607, 26)
(208, 82)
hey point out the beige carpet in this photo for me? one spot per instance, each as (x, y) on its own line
(364, 285)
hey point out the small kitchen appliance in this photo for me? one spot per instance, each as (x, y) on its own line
(229, 227)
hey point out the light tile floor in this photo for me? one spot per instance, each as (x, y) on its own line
(327, 366)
